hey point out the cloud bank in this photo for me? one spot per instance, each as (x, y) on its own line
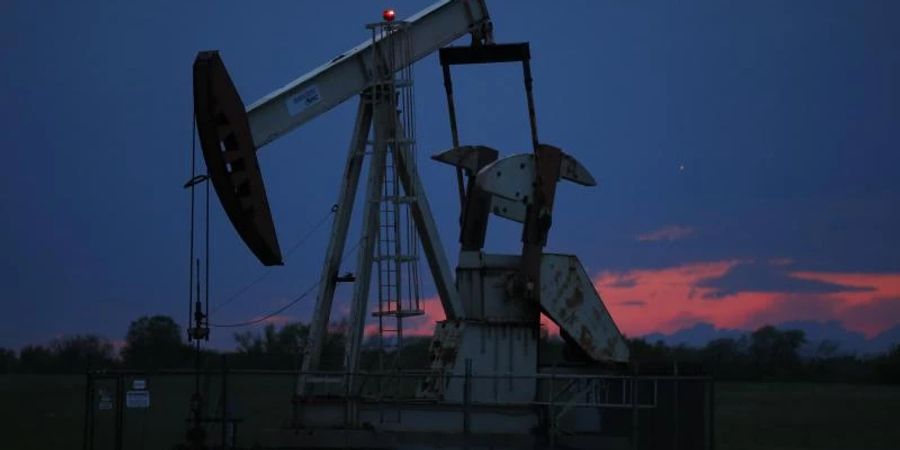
(746, 295)
(667, 233)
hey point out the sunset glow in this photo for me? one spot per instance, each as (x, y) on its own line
(668, 299)
(665, 300)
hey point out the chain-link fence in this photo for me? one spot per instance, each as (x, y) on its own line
(653, 409)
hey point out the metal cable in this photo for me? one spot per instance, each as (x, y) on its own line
(206, 257)
(265, 274)
(191, 260)
(288, 305)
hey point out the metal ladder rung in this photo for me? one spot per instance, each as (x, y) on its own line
(403, 140)
(392, 254)
(399, 312)
(400, 199)
(401, 258)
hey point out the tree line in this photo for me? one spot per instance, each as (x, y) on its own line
(157, 342)
(770, 354)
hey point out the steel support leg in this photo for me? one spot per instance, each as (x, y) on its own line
(431, 240)
(369, 237)
(318, 327)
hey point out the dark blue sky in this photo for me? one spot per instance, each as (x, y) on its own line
(784, 116)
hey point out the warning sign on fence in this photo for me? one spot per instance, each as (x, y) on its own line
(106, 400)
(137, 399)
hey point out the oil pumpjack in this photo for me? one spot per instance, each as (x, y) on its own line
(484, 377)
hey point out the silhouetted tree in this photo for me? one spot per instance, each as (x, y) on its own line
(888, 366)
(288, 340)
(775, 352)
(36, 359)
(643, 351)
(249, 343)
(723, 351)
(8, 360)
(281, 348)
(78, 353)
(826, 349)
(155, 342)
(333, 349)
(726, 357)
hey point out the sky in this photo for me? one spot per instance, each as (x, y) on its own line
(746, 154)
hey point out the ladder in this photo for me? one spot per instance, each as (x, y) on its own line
(397, 249)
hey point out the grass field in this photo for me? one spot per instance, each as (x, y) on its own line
(788, 416)
(45, 412)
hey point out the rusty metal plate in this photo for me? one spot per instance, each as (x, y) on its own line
(231, 157)
(569, 299)
(445, 345)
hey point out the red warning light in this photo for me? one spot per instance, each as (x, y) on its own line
(388, 15)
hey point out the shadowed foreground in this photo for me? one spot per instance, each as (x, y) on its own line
(788, 416)
(45, 411)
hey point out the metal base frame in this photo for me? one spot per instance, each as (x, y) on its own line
(371, 113)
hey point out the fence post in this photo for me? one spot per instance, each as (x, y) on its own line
(348, 390)
(120, 410)
(551, 415)
(88, 411)
(634, 408)
(225, 423)
(675, 415)
(710, 414)
(467, 396)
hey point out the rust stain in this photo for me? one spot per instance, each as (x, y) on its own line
(576, 299)
(586, 339)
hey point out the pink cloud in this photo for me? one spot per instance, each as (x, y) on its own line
(676, 297)
(872, 317)
(872, 286)
(871, 308)
(667, 294)
(667, 233)
(781, 261)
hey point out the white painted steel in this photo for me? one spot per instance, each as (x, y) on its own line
(428, 235)
(337, 240)
(569, 298)
(509, 209)
(512, 177)
(369, 236)
(351, 72)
